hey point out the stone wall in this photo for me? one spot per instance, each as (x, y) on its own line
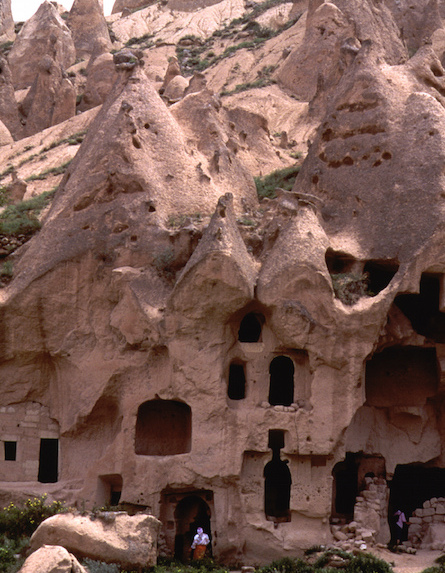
(424, 522)
(25, 425)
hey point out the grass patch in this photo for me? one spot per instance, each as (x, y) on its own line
(143, 42)
(6, 172)
(263, 80)
(52, 171)
(178, 221)
(283, 178)
(4, 196)
(5, 48)
(195, 54)
(74, 139)
(22, 219)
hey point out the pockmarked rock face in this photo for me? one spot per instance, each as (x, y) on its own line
(87, 24)
(110, 537)
(367, 164)
(43, 34)
(271, 369)
(52, 558)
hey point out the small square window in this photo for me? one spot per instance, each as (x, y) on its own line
(10, 451)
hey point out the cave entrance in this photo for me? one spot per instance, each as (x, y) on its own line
(236, 389)
(163, 428)
(349, 479)
(277, 481)
(412, 485)
(48, 460)
(251, 327)
(190, 513)
(109, 489)
(423, 309)
(402, 376)
(281, 389)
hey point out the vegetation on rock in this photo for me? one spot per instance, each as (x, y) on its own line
(282, 178)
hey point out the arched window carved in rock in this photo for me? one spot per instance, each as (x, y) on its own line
(277, 481)
(236, 389)
(281, 388)
(251, 327)
(163, 428)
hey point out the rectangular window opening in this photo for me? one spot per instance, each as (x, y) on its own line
(10, 451)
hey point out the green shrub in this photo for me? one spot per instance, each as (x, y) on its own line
(283, 178)
(17, 522)
(287, 565)
(100, 567)
(350, 287)
(21, 219)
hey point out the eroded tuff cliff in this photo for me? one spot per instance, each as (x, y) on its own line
(264, 365)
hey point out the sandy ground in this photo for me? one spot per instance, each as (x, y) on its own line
(404, 563)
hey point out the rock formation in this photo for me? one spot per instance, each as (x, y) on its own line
(43, 34)
(6, 22)
(111, 537)
(101, 76)
(268, 365)
(120, 5)
(87, 24)
(9, 113)
(52, 558)
(5, 135)
(51, 99)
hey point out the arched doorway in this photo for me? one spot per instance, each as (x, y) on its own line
(190, 513)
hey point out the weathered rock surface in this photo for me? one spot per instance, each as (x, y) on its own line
(5, 135)
(175, 341)
(43, 34)
(101, 76)
(6, 21)
(365, 129)
(51, 99)
(51, 558)
(87, 24)
(9, 113)
(119, 5)
(110, 537)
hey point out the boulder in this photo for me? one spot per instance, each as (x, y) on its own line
(434, 538)
(52, 559)
(5, 135)
(51, 99)
(43, 34)
(100, 80)
(111, 537)
(9, 113)
(173, 70)
(176, 88)
(87, 24)
(6, 22)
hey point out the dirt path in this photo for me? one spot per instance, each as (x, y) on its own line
(404, 563)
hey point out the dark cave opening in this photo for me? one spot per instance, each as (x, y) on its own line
(380, 273)
(251, 327)
(48, 460)
(281, 389)
(277, 481)
(412, 485)
(423, 309)
(236, 389)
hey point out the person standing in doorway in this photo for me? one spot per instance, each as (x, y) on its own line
(200, 542)
(399, 524)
